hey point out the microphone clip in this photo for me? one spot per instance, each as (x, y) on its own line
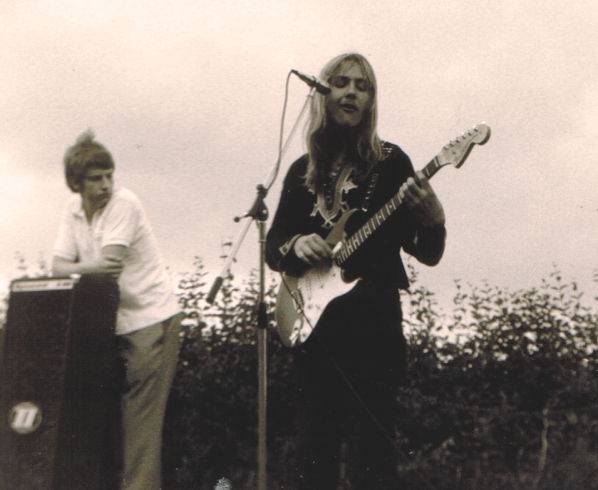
(321, 87)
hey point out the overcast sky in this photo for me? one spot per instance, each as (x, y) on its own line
(188, 96)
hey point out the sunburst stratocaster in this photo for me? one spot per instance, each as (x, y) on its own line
(302, 300)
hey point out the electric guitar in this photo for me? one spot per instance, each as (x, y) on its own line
(302, 300)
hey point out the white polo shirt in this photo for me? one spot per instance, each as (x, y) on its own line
(146, 290)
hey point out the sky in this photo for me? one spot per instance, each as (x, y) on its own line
(188, 97)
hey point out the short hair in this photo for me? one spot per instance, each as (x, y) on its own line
(368, 146)
(84, 155)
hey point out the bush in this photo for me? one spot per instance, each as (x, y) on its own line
(501, 394)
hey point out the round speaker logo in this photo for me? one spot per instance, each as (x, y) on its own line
(25, 417)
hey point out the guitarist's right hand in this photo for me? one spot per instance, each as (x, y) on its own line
(312, 249)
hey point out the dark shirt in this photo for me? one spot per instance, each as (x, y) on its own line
(378, 260)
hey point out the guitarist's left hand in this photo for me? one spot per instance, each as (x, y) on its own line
(420, 198)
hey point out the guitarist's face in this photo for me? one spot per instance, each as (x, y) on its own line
(349, 98)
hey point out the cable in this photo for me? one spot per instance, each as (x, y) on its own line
(280, 136)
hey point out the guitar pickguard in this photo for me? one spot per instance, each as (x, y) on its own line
(309, 295)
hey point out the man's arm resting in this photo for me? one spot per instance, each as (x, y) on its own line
(111, 263)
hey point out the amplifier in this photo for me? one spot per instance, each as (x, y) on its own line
(60, 381)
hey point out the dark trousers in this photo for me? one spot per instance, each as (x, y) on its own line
(348, 372)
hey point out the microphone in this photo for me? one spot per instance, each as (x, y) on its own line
(320, 87)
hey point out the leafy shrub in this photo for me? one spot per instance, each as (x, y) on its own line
(502, 394)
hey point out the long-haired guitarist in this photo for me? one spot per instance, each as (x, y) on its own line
(348, 368)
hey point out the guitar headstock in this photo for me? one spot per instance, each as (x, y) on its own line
(458, 149)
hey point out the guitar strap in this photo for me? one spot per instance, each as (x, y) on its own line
(373, 181)
(370, 191)
(387, 150)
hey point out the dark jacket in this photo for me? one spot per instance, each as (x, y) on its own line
(378, 261)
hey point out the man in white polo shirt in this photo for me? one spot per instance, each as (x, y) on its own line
(105, 230)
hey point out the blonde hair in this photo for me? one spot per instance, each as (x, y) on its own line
(368, 147)
(85, 154)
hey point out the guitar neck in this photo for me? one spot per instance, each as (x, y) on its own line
(350, 246)
(454, 153)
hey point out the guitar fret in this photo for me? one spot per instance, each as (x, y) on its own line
(427, 171)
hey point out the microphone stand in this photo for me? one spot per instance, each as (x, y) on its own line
(259, 213)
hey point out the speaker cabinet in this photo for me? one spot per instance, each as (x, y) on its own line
(59, 385)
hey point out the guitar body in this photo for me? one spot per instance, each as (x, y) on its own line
(302, 300)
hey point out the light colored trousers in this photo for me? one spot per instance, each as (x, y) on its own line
(150, 356)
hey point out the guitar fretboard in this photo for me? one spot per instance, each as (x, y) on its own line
(351, 245)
